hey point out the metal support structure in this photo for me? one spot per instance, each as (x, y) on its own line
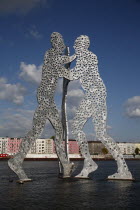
(64, 107)
(64, 113)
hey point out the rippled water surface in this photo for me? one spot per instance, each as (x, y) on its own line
(47, 191)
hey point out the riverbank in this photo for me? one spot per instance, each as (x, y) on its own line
(71, 159)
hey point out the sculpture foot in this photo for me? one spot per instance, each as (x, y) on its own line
(15, 167)
(67, 169)
(84, 174)
(81, 176)
(21, 181)
(121, 176)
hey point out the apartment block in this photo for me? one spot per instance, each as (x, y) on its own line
(42, 146)
(95, 147)
(47, 146)
(13, 145)
(3, 145)
(127, 148)
(72, 146)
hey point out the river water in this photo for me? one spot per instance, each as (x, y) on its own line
(47, 191)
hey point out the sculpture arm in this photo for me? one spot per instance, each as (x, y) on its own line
(63, 72)
(74, 73)
(69, 74)
(67, 59)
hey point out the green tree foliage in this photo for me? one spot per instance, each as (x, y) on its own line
(104, 151)
(52, 137)
(137, 151)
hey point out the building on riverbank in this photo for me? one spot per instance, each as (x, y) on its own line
(43, 147)
(13, 145)
(127, 148)
(3, 145)
(95, 147)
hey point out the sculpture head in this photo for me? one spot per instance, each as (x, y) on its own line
(57, 42)
(81, 44)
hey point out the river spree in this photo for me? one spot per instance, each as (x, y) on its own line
(47, 191)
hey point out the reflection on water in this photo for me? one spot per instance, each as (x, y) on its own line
(49, 192)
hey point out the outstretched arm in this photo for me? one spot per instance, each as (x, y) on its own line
(70, 74)
(74, 73)
(63, 72)
(66, 59)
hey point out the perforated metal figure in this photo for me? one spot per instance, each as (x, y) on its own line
(52, 69)
(93, 105)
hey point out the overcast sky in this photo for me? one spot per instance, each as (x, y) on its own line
(114, 30)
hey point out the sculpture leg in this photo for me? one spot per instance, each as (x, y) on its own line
(16, 162)
(60, 149)
(123, 172)
(78, 123)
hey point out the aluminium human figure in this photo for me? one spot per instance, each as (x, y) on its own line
(93, 105)
(52, 69)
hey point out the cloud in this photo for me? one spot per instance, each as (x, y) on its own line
(16, 123)
(20, 6)
(132, 107)
(11, 92)
(30, 73)
(33, 33)
(108, 127)
(75, 94)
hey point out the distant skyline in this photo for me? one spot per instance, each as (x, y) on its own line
(114, 30)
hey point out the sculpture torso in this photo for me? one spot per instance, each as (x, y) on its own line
(91, 82)
(51, 67)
